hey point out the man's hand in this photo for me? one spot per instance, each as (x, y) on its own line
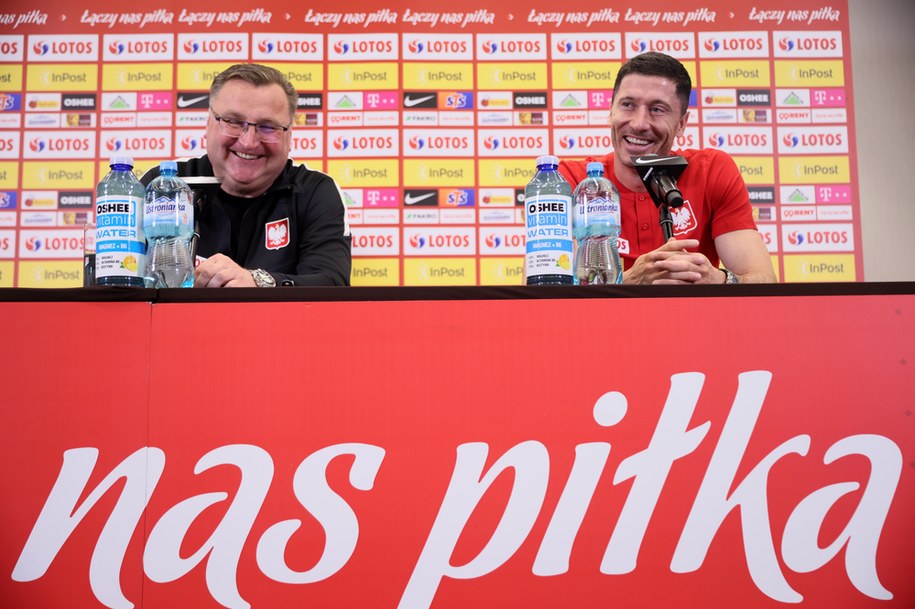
(673, 264)
(220, 271)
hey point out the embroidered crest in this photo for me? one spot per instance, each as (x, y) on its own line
(277, 234)
(683, 218)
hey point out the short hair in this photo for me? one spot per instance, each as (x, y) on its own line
(659, 64)
(260, 76)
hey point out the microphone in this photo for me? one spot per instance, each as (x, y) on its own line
(659, 175)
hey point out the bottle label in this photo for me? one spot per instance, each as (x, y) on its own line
(169, 211)
(548, 222)
(120, 245)
(597, 212)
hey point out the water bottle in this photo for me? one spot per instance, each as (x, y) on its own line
(120, 245)
(548, 222)
(596, 226)
(168, 220)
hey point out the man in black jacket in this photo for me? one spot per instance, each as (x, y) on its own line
(270, 222)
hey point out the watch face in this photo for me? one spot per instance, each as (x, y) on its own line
(263, 279)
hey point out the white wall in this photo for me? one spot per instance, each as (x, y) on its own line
(883, 74)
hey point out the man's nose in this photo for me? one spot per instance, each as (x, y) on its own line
(641, 118)
(249, 137)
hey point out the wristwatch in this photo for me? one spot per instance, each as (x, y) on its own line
(262, 278)
(729, 277)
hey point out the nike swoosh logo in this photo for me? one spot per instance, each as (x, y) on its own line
(643, 161)
(411, 200)
(184, 102)
(409, 102)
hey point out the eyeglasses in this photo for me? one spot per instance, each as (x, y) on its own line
(266, 132)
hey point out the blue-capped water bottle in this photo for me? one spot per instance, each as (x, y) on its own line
(168, 220)
(548, 226)
(120, 245)
(596, 226)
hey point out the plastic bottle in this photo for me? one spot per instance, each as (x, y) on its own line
(548, 224)
(120, 246)
(168, 220)
(596, 226)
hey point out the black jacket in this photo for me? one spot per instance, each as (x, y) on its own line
(309, 241)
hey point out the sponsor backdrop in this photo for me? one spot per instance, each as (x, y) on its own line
(770, 466)
(430, 117)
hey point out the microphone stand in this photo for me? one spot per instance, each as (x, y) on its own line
(659, 175)
(664, 219)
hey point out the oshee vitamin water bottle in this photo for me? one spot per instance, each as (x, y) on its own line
(548, 226)
(120, 245)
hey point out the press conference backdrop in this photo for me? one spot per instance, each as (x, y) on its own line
(429, 117)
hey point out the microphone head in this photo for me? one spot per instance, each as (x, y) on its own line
(650, 164)
(652, 168)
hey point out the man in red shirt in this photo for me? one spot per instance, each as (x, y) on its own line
(715, 224)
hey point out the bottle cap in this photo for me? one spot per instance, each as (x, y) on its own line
(595, 166)
(120, 159)
(547, 159)
(168, 167)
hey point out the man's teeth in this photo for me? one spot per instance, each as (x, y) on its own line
(247, 157)
(637, 141)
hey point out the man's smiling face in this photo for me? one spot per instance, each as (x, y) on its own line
(247, 165)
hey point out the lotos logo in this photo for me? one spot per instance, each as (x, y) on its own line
(712, 45)
(416, 47)
(639, 46)
(417, 143)
(786, 44)
(489, 47)
(791, 140)
(564, 46)
(266, 46)
(41, 48)
(491, 143)
(417, 242)
(191, 46)
(493, 241)
(341, 48)
(567, 142)
(33, 244)
(341, 143)
(795, 238)
(716, 140)
(117, 47)
(37, 145)
(190, 143)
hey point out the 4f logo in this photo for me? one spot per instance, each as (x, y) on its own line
(277, 234)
